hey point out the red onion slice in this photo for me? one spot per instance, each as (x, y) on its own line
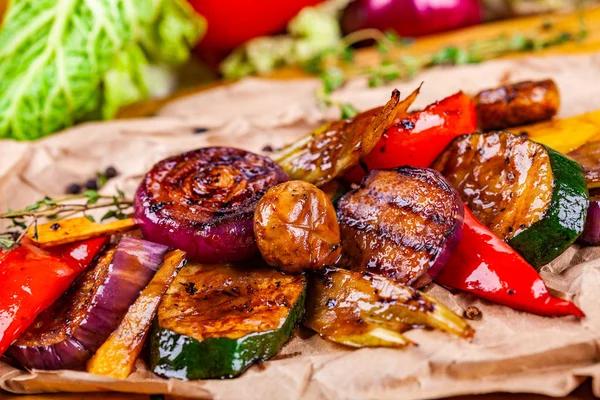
(401, 223)
(67, 334)
(591, 231)
(203, 202)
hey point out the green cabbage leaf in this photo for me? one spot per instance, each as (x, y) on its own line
(311, 32)
(67, 61)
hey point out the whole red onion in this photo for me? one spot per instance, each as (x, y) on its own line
(203, 202)
(410, 18)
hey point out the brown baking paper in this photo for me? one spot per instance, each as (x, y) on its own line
(511, 352)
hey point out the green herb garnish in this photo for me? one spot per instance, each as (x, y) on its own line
(118, 206)
(348, 110)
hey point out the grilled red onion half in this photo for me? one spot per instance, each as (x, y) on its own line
(401, 223)
(68, 333)
(591, 231)
(203, 202)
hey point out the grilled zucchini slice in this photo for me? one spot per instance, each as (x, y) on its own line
(216, 320)
(528, 194)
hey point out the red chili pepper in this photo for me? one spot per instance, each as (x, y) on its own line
(483, 264)
(420, 137)
(32, 279)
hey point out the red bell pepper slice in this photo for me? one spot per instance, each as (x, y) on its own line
(32, 279)
(483, 264)
(419, 138)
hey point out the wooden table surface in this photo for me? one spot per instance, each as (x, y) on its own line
(461, 38)
(365, 57)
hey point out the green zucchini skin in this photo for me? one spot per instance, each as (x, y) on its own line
(174, 355)
(565, 218)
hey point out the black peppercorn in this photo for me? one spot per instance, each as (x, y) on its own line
(111, 172)
(73, 188)
(91, 184)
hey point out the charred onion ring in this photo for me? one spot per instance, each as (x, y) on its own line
(203, 202)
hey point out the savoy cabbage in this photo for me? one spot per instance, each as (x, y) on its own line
(66, 61)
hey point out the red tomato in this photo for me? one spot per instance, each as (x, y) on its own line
(231, 23)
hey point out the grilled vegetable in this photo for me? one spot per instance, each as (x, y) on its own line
(525, 192)
(564, 134)
(336, 147)
(486, 266)
(591, 232)
(73, 328)
(588, 156)
(416, 139)
(203, 202)
(296, 228)
(75, 229)
(517, 104)
(32, 279)
(335, 189)
(216, 320)
(116, 357)
(364, 310)
(400, 223)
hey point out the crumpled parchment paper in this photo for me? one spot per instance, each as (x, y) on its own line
(511, 352)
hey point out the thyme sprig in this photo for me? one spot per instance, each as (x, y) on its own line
(328, 64)
(393, 66)
(49, 209)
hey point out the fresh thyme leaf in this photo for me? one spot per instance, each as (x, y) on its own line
(18, 223)
(92, 196)
(120, 193)
(519, 43)
(90, 218)
(386, 72)
(314, 65)
(450, 56)
(382, 48)
(392, 37)
(102, 179)
(563, 37)
(348, 110)
(332, 78)
(121, 215)
(583, 30)
(374, 81)
(109, 214)
(35, 206)
(347, 55)
(48, 201)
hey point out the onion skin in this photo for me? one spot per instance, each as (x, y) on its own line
(410, 18)
(203, 202)
(401, 223)
(591, 232)
(67, 334)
